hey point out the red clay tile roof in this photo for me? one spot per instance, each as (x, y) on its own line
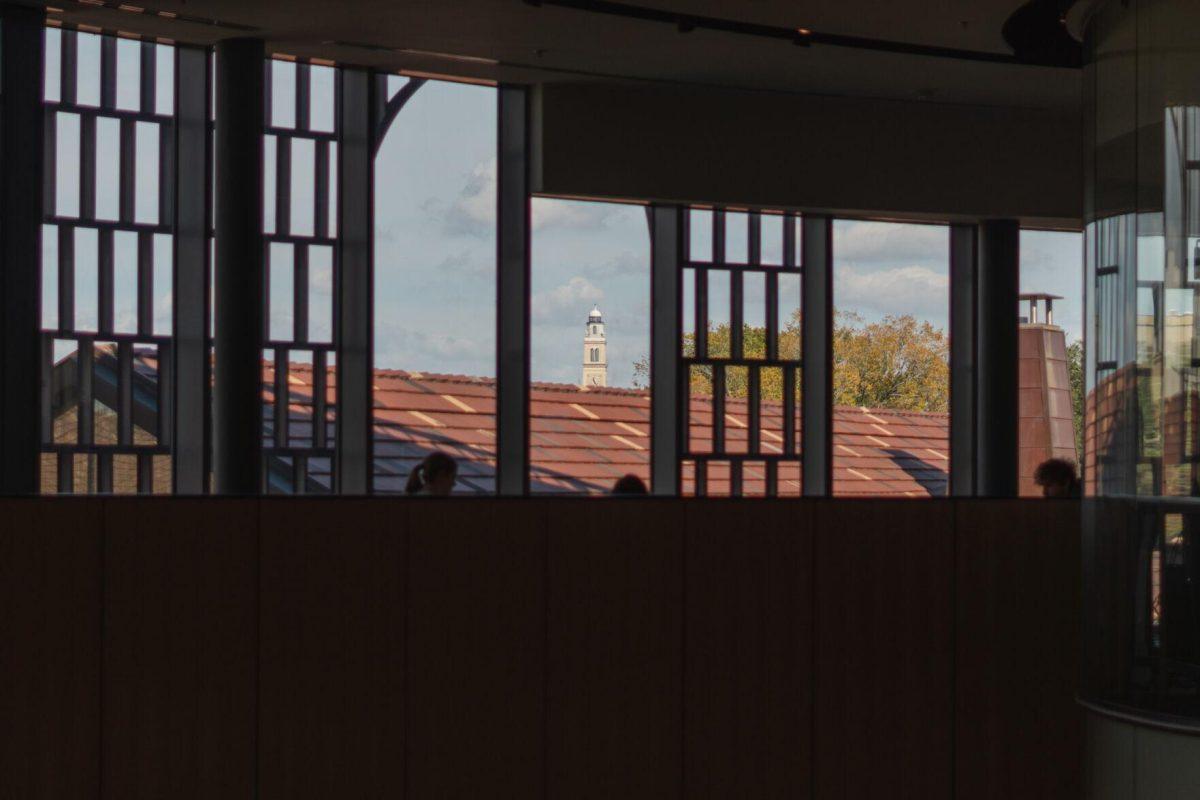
(585, 439)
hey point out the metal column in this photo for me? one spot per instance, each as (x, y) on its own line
(190, 359)
(996, 356)
(962, 360)
(21, 122)
(512, 293)
(354, 312)
(817, 398)
(238, 328)
(666, 244)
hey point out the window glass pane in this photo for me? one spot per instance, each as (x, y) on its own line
(320, 293)
(66, 173)
(129, 74)
(891, 377)
(303, 161)
(590, 340)
(718, 314)
(87, 316)
(700, 243)
(53, 68)
(108, 168)
(283, 94)
(435, 287)
(88, 69)
(737, 242)
(146, 206)
(1051, 352)
(125, 273)
(163, 272)
(49, 277)
(771, 238)
(270, 156)
(164, 81)
(282, 282)
(321, 83)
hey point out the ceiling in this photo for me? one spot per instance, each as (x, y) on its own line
(517, 40)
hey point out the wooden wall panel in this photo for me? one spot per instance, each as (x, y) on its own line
(332, 676)
(884, 610)
(748, 670)
(50, 612)
(1018, 730)
(615, 650)
(180, 648)
(476, 648)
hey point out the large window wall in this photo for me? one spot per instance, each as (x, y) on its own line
(734, 307)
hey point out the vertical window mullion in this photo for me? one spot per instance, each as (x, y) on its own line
(66, 278)
(108, 72)
(145, 283)
(300, 294)
(352, 288)
(668, 377)
(148, 77)
(512, 247)
(817, 346)
(189, 141)
(87, 166)
(128, 168)
(105, 281)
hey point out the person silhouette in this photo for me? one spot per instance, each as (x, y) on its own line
(434, 476)
(630, 484)
(1057, 478)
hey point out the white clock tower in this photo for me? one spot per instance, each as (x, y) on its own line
(595, 351)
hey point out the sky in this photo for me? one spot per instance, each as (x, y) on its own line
(435, 184)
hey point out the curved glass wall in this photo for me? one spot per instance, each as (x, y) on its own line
(1142, 418)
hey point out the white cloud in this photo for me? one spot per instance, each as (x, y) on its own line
(474, 209)
(575, 296)
(551, 214)
(915, 290)
(889, 243)
(405, 348)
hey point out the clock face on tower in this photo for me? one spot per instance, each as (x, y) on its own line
(595, 380)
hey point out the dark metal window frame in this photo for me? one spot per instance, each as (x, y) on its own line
(66, 226)
(792, 369)
(279, 450)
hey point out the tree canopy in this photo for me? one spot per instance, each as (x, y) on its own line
(896, 363)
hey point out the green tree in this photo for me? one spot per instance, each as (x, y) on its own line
(1075, 377)
(895, 363)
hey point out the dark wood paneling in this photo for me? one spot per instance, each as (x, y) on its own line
(180, 647)
(748, 662)
(615, 650)
(50, 577)
(1018, 730)
(884, 610)
(332, 622)
(476, 649)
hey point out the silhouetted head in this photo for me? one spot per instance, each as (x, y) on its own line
(435, 475)
(1057, 478)
(630, 484)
